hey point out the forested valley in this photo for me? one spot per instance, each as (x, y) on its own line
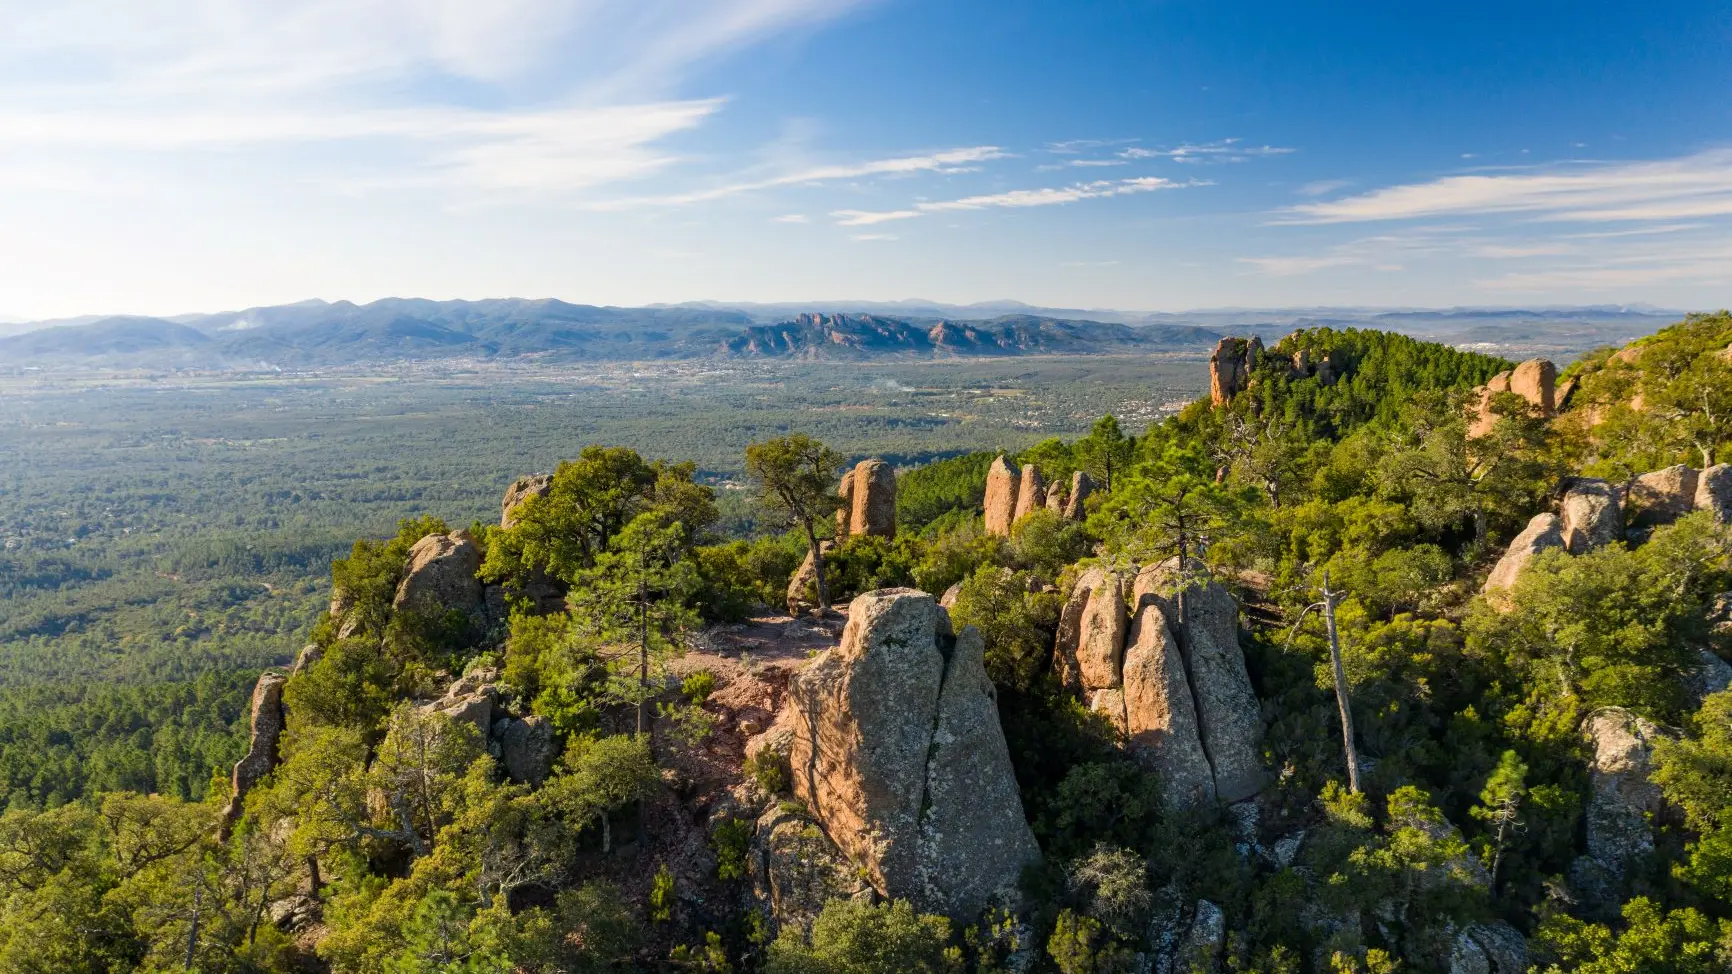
(1382, 656)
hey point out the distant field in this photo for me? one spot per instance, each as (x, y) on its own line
(155, 526)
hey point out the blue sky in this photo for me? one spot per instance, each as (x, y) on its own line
(180, 155)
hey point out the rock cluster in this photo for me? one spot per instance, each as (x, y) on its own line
(523, 745)
(868, 495)
(1230, 367)
(1535, 380)
(268, 720)
(1663, 496)
(1012, 494)
(1169, 673)
(520, 491)
(898, 753)
(803, 584)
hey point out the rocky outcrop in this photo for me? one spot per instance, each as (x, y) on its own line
(1534, 380)
(1499, 946)
(795, 870)
(803, 584)
(1591, 515)
(1662, 496)
(1621, 803)
(1714, 492)
(1081, 486)
(868, 495)
(1091, 632)
(1544, 532)
(1230, 367)
(268, 720)
(1160, 718)
(1710, 676)
(1030, 492)
(1055, 497)
(1205, 943)
(1002, 482)
(441, 576)
(898, 753)
(519, 493)
(1229, 719)
(525, 748)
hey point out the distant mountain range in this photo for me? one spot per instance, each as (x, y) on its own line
(312, 334)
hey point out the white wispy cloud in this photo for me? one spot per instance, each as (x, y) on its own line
(551, 95)
(1694, 186)
(938, 162)
(791, 218)
(864, 237)
(1016, 199)
(1224, 150)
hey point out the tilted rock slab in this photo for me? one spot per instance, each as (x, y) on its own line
(1091, 632)
(1544, 532)
(519, 493)
(268, 719)
(1714, 492)
(1160, 717)
(1592, 516)
(441, 575)
(899, 755)
(1001, 490)
(1663, 496)
(1030, 493)
(1055, 497)
(1622, 797)
(1081, 486)
(1229, 719)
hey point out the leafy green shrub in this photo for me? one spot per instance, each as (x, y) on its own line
(731, 839)
(661, 897)
(698, 686)
(769, 770)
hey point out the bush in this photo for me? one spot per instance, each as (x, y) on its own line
(861, 938)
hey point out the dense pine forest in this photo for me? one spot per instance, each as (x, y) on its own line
(1482, 620)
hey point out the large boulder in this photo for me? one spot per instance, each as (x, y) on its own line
(1714, 492)
(1091, 632)
(1205, 942)
(868, 495)
(1623, 798)
(468, 705)
(1160, 718)
(1001, 496)
(1081, 486)
(1591, 514)
(1544, 532)
(1663, 496)
(1229, 719)
(1055, 497)
(268, 719)
(519, 493)
(1535, 380)
(1030, 493)
(794, 869)
(441, 575)
(1230, 367)
(898, 753)
(526, 748)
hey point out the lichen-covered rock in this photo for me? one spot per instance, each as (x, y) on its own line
(1111, 705)
(526, 749)
(974, 840)
(1030, 493)
(306, 659)
(795, 869)
(898, 754)
(1002, 482)
(1505, 949)
(465, 705)
(1714, 492)
(1230, 367)
(1591, 516)
(951, 594)
(1466, 956)
(441, 575)
(1663, 496)
(1205, 942)
(1544, 532)
(869, 500)
(519, 493)
(1081, 486)
(1710, 676)
(1160, 719)
(267, 724)
(1229, 719)
(1622, 798)
(1091, 632)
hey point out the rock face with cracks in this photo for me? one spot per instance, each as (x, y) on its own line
(898, 753)
(1714, 492)
(1663, 496)
(1160, 716)
(519, 493)
(1030, 493)
(1091, 632)
(441, 575)
(268, 719)
(868, 494)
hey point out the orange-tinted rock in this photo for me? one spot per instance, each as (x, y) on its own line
(441, 575)
(869, 493)
(1081, 486)
(1002, 481)
(521, 491)
(1535, 380)
(1663, 496)
(1091, 632)
(268, 720)
(1544, 532)
(1030, 493)
(1160, 717)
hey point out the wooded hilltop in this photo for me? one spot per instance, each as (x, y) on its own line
(1385, 656)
